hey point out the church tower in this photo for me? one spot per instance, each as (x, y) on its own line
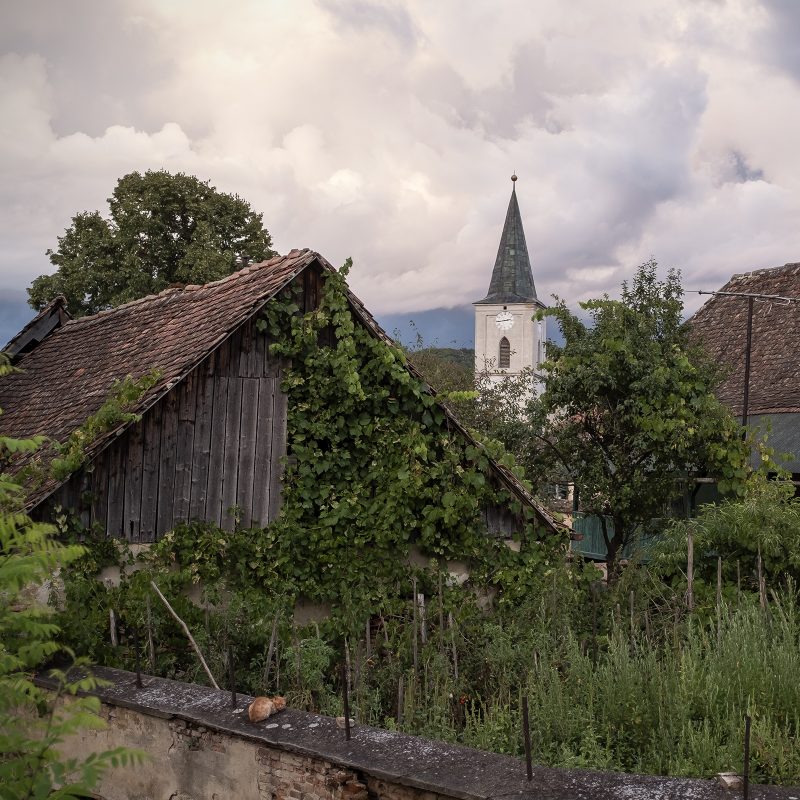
(507, 338)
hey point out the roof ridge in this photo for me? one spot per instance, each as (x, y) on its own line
(190, 287)
(765, 270)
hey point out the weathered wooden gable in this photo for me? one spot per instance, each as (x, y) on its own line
(209, 449)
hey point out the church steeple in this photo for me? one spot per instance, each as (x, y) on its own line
(512, 277)
(509, 340)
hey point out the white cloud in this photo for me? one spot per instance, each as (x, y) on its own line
(387, 131)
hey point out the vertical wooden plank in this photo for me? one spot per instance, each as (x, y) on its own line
(201, 447)
(187, 400)
(247, 449)
(151, 458)
(84, 505)
(100, 491)
(280, 409)
(216, 461)
(263, 451)
(166, 469)
(246, 347)
(116, 488)
(133, 482)
(230, 473)
(260, 354)
(228, 356)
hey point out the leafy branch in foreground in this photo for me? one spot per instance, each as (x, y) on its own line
(33, 721)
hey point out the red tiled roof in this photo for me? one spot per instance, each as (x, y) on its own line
(721, 326)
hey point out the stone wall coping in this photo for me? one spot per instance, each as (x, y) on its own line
(423, 764)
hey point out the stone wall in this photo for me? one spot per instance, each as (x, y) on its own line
(200, 746)
(187, 761)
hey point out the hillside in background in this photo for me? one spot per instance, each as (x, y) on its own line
(446, 369)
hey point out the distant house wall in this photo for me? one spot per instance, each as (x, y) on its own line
(783, 436)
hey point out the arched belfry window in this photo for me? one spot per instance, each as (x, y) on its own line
(504, 361)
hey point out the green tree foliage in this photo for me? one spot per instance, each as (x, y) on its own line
(628, 411)
(34, 722)
(163, 229)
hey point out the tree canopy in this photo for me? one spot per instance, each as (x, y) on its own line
(628, 413)
(163, 229)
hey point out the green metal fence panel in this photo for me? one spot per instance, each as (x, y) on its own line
(593, 546)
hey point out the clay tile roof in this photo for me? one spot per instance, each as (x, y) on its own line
(721, 326)
(67, 377)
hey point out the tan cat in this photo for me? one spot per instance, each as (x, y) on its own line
(263, 707)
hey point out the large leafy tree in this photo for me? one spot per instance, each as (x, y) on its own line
(163, 229)
(628, 413)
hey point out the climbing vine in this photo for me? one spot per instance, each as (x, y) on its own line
(116, 409)
(374, 469)
(374, 464)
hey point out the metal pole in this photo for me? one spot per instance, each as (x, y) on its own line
(136, 657)
(746, 399)
(526, 735)
(746, 775)
(232, 676)
(346, 703)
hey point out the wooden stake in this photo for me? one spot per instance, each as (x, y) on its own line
(415, 623)
(296, 646)
(423, 618)
(112, 626)
(441, 617)
(526, 735)
(400, 700)
(738, 583)
(271, 648)
(187, 632)
(136, 658)
(453, 644)
(151, 645)
(632, 603)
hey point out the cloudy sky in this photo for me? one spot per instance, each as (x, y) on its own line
(387, 131)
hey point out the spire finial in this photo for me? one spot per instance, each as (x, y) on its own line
(514, 177)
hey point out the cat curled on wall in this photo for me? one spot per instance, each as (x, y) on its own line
(263, 707)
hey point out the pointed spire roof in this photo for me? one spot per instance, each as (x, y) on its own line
(512, 278)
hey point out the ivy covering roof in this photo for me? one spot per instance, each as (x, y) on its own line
(68, 375)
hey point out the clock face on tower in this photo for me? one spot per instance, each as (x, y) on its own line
(504, 320)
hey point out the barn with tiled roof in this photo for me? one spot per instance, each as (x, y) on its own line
(211, 433)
